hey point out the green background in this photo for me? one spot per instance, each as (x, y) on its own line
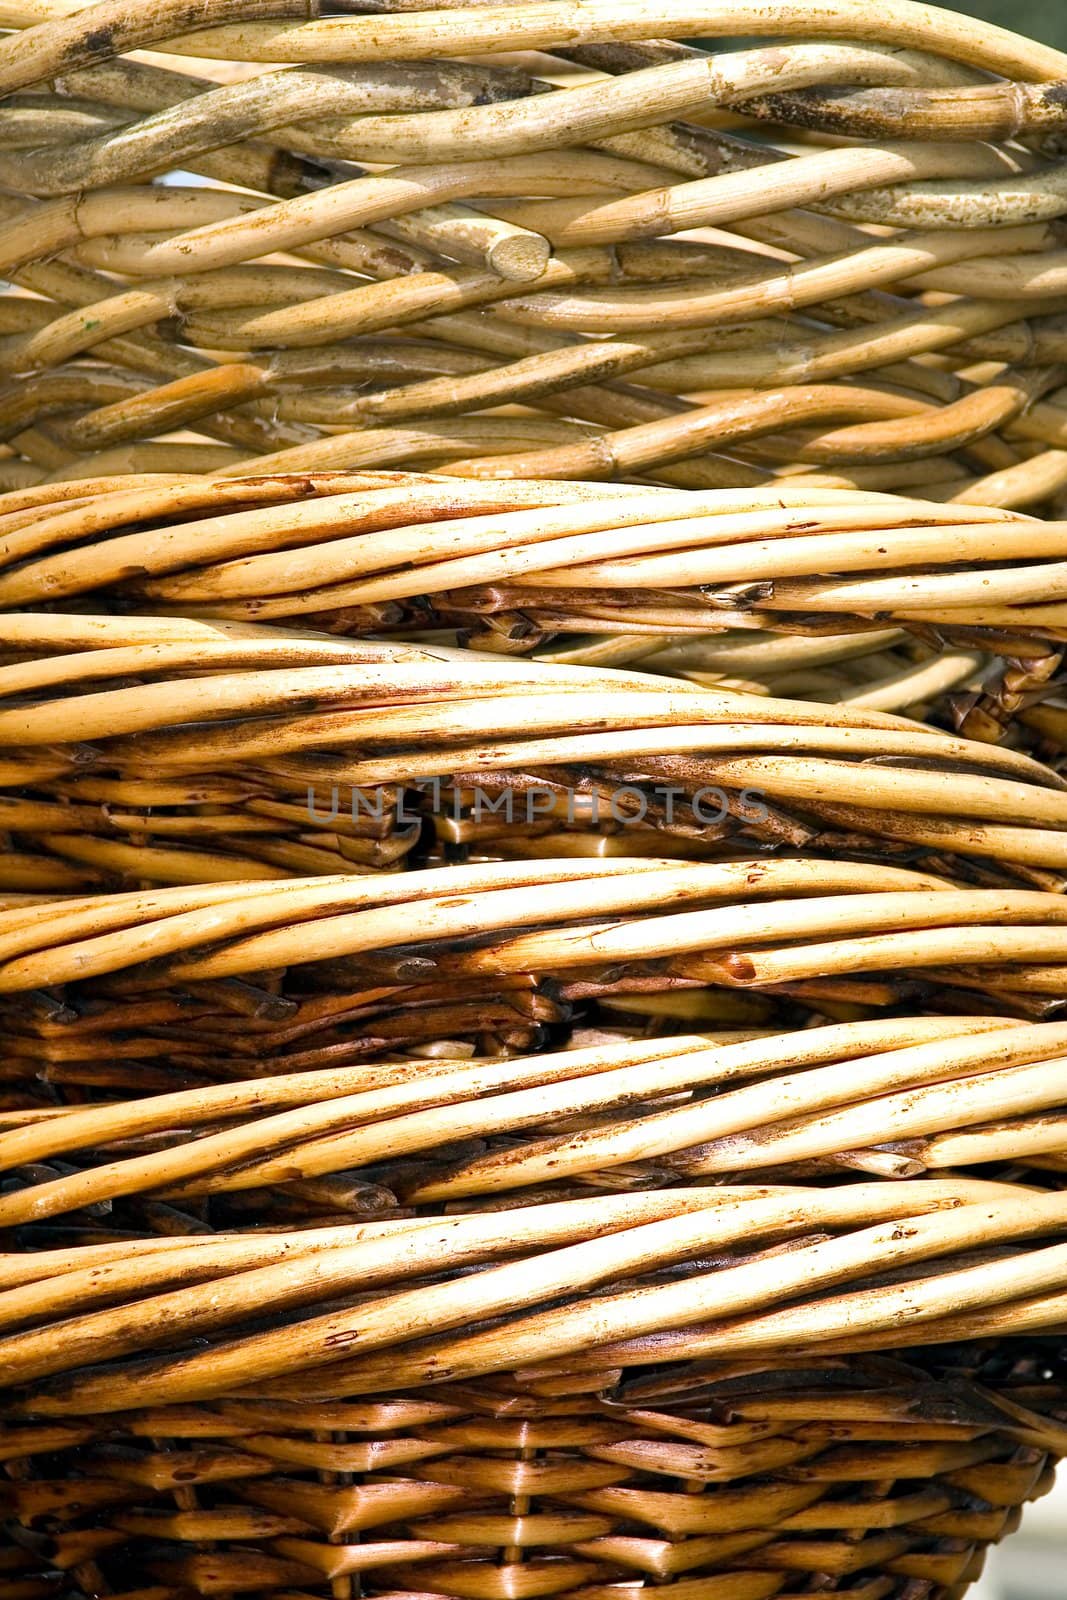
(1041, 19)
(1038, 19)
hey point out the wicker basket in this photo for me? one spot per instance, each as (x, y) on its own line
(158, 750)
(738, 1392)
(521, 240)
(509, 1384)
(514, 564)
(871, 1478)
(578, 1279)
(402, 1201)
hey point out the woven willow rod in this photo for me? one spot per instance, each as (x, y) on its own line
(769, 924)
(852, 1255)
(248, 754)
(513, 564)
(282, 1509)
(524, 1073)
(884, 1084)
(409, 185)
(883, 669)
(506, 28)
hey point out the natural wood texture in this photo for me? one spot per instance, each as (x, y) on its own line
(875, 1095)
(723, 1479)
(166, 751)
(537, 240)
(532, 989)
(512, 564)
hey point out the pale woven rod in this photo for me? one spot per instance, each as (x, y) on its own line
(331, 1297)
(747, 1477)
(535, 240)
(568, 1387)
(359, 554)
(532, 992)
(514, 564)
(147, 751)
(924, 604)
